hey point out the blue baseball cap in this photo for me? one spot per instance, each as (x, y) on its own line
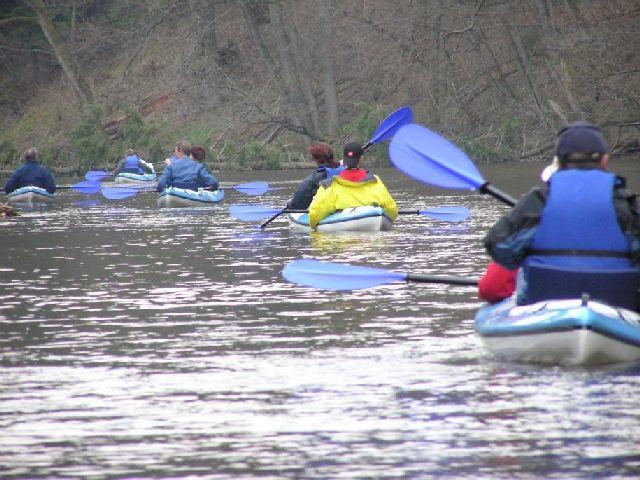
(580, 141)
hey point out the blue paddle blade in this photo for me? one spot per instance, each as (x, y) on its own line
(96, 175)
(87, 187)
(253, 188)
(452, 213)
(118, 193)
(391, 124)
(332, 276)
(429, 158)
(252, 212)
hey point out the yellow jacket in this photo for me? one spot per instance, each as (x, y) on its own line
(339, 193)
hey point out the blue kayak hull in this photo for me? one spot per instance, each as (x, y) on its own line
(31, 194)
(563, 332)
(135, 178)
(356, 219)
(179, 197)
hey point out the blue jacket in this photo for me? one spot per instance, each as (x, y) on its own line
(132, 165)
(309, 186)
(186, 173)
(31, 173)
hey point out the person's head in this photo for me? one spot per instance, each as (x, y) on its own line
(581, 145)
(30, 155)
(183, 148)
(322, 153)
(352, 155)
(197, 153)
(130, 152)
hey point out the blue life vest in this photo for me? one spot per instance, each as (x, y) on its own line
(579, 227)
(132, 165)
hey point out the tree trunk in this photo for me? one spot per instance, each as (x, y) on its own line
(69, 66)
(328, 72)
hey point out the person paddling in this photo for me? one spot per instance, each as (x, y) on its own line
(353, 187)
(183, 171)
(583, 220)
(132, 163)
(31, 174)
(327, 167)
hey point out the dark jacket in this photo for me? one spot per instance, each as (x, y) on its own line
(31, 174)
(309, 186)
(509, 239)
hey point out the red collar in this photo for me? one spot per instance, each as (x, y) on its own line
(353, 175)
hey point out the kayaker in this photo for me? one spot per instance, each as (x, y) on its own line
(187, 172)
(31, 174)
(353, 187)
(132, 163)
(582, 219)
(326, 167)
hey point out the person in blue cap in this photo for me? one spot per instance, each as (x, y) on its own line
(31, 174)
(581, 219)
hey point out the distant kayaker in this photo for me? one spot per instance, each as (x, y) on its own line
(186, 172)
(327, 167)
(31, 174)
(132, 163)
(353, 187)
(581, 220)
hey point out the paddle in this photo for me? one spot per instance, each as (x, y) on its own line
(451, 213)
(429, 158)
(390, 125)
(122, 192)
(86, 187)
(337, 276)
(96, 175)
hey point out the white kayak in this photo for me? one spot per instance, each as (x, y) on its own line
(179, 197)
(562, 332)
(135, 178)
(356, 219)
(31, 194)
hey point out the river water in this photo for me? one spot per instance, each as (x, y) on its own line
(139, 342)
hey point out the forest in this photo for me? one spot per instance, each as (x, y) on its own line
(255, 81)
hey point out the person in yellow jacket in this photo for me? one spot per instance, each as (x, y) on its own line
(353, 187)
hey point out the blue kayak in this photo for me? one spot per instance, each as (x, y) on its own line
(135, 177)
(356, 219)
(31, 194)
(564, 332)
(180, 197)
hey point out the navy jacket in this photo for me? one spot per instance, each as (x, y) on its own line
(31, 173)
(309, 186)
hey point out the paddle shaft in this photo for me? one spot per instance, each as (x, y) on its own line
(412, 277)
(497, 194)
(284, 210)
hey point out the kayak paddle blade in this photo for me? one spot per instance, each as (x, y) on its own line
(252, 188)
(118, 193)
(390, 125)
(452, 213)
(86, 187)
(334, 276)
(252, 213)
(96, 175)
(431, 159)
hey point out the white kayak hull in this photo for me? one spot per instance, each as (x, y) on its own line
(179, 197)
(31, 195)
(560, 332)
(356, 219)
(136, 178)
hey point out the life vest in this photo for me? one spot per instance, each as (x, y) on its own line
(579, 227)
(132, 165)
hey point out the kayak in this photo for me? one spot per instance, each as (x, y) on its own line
(562, 332)
(356, 219)
(31, 194)
(135, 177)
(180, 197)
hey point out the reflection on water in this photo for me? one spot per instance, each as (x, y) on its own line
(146, 342)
